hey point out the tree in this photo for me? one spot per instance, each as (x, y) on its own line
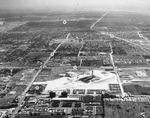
(88, 98)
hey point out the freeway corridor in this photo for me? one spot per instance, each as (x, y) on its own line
(91, 29)
(111, 55)
(141, 35)
(119, 38)
(117, 76)
(22, 97)
(98, 20)
(80, 48)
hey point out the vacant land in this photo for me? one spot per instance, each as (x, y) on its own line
(125, 109)
(137, 89)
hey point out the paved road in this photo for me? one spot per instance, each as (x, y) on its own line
(119, 38)
(80, 48)
(98, 21)
(35, 76)
(117, 76)
(52, 54)
(141, 35)
(111, 57)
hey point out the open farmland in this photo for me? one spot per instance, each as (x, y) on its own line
(124, 21)
(10, 25)
(137, 89)
(51, 16)
(119, 109)
(47, 25)
(19, 89)
(79, 54)
(126, 26)
(96, 46)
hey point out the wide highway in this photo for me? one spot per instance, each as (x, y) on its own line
(111, 57)
(22, 97)
(98, 20)
(117, 76)
(141, 35)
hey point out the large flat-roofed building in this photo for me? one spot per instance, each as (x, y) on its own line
(91, 82)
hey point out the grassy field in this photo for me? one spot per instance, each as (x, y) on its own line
(125, 109)
(19, 89)
(54, 24)
(124, 21)
(10, 25)
(137, 89)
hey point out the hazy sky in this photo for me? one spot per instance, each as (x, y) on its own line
(78, 4)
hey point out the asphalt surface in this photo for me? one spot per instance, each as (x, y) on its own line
(22, 97)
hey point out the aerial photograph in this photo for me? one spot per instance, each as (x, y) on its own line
(74, 58)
